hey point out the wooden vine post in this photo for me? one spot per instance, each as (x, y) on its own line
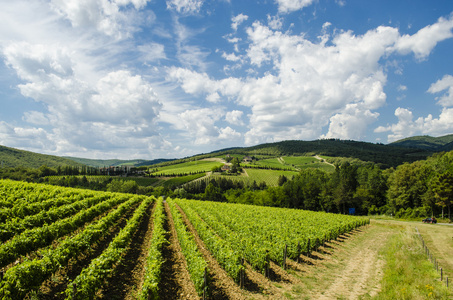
(285, 251)
(298, 252)
(205, 283)
(242, 275)
(266, 270)
(74, 290)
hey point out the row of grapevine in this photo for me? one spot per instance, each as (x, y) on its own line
(13, 192)
(195, 262)
(15, 226)
(35, 238)
(229, 259)
(29, 275)
(260, 231)
(92, 277)
(24, 207)
(254, 253)
(51, 238)
(154, 260)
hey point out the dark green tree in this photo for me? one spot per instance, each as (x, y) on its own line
(442, 186)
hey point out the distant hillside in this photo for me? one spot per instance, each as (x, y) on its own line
(10, 157)
(116, 162)
(385, 155)
(391, 155)
(426, 142)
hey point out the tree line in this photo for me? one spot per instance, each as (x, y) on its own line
(411, 190)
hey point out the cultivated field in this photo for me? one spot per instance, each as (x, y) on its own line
(186, 168)
(63, 243)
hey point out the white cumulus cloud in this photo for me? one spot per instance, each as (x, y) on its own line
(104, 16)
(117, 111)
(444, 84)
(423, 42)
(429, 125)
(287, 6)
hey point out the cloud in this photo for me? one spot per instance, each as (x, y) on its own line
(424, 41)
(188, 7)
(200, 83)
(444, 84)
(287, 6)
(200, 124)
(238, 20)
(407, 127)
(108, 17)
(152, 52)
(118, 111)
(402, 88)
(350, 122)
(275, 22)
(234, 117)
(305, 86)
(229, 134)
(231, 57)
(312, 83)
(189, 55)
(429, 125)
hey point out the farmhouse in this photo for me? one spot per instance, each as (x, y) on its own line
(226, 168)
(247, 159)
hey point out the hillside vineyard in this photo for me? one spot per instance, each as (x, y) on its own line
(67, 243)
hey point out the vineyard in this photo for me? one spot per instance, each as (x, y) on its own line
(63, 243)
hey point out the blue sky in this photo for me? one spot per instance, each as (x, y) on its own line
(150, 79)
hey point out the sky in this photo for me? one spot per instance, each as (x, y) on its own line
(152, 79)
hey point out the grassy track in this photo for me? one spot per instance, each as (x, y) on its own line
(382, 261)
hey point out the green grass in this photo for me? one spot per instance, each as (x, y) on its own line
(299, 160)
(142, 181)
(268, 176)
(177, 181)
(187, 167)
(408, 273)
(272, 163)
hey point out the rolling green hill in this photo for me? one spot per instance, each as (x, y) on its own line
(384, 155)
(425, 142)
(10, 157)
(391, 155)
(99, 163)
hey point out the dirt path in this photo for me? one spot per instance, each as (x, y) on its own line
(175, 283)
(360, 271)
(218, 159)
(320, 159)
